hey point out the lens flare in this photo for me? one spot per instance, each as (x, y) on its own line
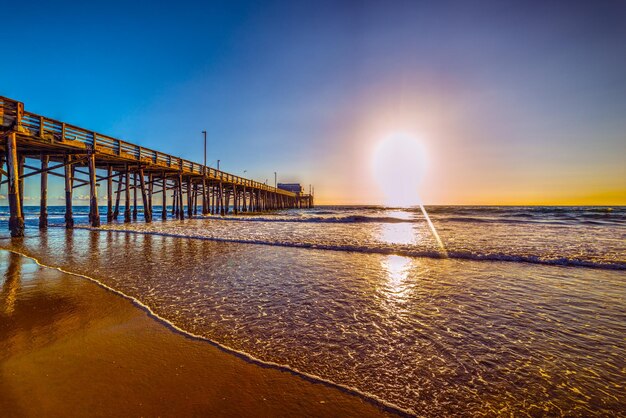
(444, 252)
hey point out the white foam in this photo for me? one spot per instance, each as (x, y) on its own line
(284, 367)
(389, 250)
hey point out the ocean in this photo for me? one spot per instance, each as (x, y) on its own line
(521, 311)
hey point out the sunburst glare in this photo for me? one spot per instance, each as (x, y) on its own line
(399, 162)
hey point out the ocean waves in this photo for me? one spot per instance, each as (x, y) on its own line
(401, 250)
(317, 219)
(566, 216)
(489, 234)
(548, 216)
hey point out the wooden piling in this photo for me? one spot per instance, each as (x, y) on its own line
(135, 210)
(150, 190)
(94, 213)
(147, 215)
(205, 195)
(164, 204)
(175, 199)
(43, 197)
(2, 158)
(127, 196)
(109, 193)
(118, 195)
(189, 198)
(16, 217)
(195, 199)
(221, 198)
(181, 206)
(21, 161)
(69, 187)
(226, 200)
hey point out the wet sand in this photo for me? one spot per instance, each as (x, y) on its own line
(69, 347)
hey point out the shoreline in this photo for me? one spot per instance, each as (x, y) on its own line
(72, 372)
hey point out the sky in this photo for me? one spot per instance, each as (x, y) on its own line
(505, 102)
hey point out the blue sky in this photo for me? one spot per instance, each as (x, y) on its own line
(515, 102)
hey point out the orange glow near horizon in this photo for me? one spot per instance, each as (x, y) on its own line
(455, 157)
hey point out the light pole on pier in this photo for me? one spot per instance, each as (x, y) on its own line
(275, 180)
(204, 132)
(218, 165)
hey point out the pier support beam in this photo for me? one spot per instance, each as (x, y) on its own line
(221, 199)
(205, 195)
(195, 199)
(189, 198)
(135, 210)
(118, 195)
(109, 193)
(20, 171)
(43, 198)
(2, 158)
(16, 217)
(94, 213)
(127, 197)
(69, 186)
(147, 214)
(150, 190)
(226, 200)
(164, 205)
(175, 199)
(181, 207)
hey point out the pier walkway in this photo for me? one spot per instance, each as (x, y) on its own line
(88, 158)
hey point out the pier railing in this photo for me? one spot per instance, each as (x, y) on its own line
(12, 114)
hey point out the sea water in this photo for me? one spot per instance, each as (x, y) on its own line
(525, 311)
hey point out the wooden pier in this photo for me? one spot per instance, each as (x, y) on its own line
(89, 159)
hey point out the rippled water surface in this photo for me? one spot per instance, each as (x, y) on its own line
(477, 333)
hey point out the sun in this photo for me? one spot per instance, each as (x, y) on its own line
(398, 165)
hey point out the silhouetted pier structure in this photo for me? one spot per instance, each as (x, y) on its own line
(124, 168)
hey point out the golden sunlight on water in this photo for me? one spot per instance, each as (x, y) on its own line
(397, 268)
(398, 234)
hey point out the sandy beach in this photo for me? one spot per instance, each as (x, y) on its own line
(69, 347)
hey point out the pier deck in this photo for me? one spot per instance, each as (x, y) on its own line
(127, 166)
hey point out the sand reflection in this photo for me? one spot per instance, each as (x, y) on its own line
(11, 283)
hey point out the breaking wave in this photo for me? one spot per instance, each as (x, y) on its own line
(403, 251)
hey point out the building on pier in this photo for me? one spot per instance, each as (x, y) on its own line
(292, 187)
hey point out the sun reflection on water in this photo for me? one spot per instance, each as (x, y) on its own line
(397, 269)
(399, 233)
